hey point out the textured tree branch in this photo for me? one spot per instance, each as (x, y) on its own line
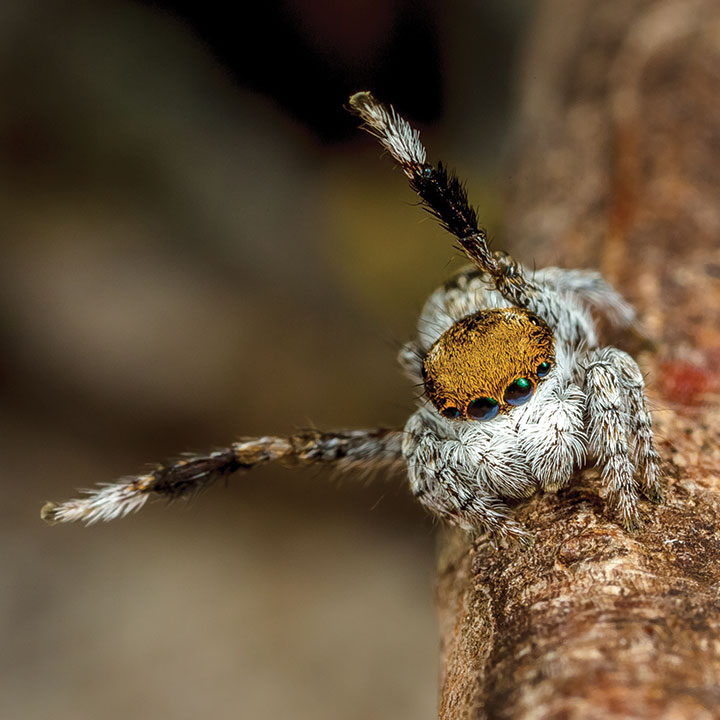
(619, 168)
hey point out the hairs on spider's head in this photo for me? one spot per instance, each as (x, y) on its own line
(488, 363)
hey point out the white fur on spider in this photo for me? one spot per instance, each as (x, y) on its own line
(591, 403)
(107, 502)
(395, 134)
(588, 402)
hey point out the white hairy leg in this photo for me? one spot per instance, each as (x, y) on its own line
(609, 427)
(642, 447)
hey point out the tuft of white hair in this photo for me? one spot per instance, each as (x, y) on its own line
(395, 134)
(107, 502)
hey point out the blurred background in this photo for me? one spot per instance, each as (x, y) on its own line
(197, 244)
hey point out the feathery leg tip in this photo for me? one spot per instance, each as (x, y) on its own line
(48, 513)
(357, 101)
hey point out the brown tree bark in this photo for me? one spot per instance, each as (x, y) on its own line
(619, 168)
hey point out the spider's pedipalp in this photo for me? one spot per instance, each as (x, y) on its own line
(552, 434)
(451, 482)
(345, 450)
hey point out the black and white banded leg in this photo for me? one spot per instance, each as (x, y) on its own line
(344, 450)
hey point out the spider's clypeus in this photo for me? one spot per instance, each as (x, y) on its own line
(518, 391)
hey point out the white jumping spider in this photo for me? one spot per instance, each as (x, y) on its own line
(518, 393)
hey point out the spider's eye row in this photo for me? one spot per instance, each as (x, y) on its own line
(484, 408)
(519, 392)
(450, 412)
(543, 369)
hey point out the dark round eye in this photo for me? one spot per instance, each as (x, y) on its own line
(484, 408)
(450, 412)
(519, 392)
(534, 319)
(543, 369)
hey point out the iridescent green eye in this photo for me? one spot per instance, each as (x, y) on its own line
(450, 412)
(484, 408)
(519, 392)
(543, 369)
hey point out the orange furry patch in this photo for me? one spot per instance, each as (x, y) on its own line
(482, 354)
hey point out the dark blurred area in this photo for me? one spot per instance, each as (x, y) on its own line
(309, 55)
(199, 244)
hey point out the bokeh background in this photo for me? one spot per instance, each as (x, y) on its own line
(197, 243)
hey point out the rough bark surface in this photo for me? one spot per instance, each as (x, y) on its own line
(619, 169)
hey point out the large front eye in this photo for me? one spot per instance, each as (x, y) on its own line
(484, 408)
(519, 392)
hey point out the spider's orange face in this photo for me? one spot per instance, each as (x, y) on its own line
(487, 363)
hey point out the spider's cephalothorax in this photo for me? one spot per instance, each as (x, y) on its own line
(488, 362)
(518, 390)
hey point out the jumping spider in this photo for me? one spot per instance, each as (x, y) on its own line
(518, 391)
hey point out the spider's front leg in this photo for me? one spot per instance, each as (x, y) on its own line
(454, 480)
(620, 430)
(344, 450)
